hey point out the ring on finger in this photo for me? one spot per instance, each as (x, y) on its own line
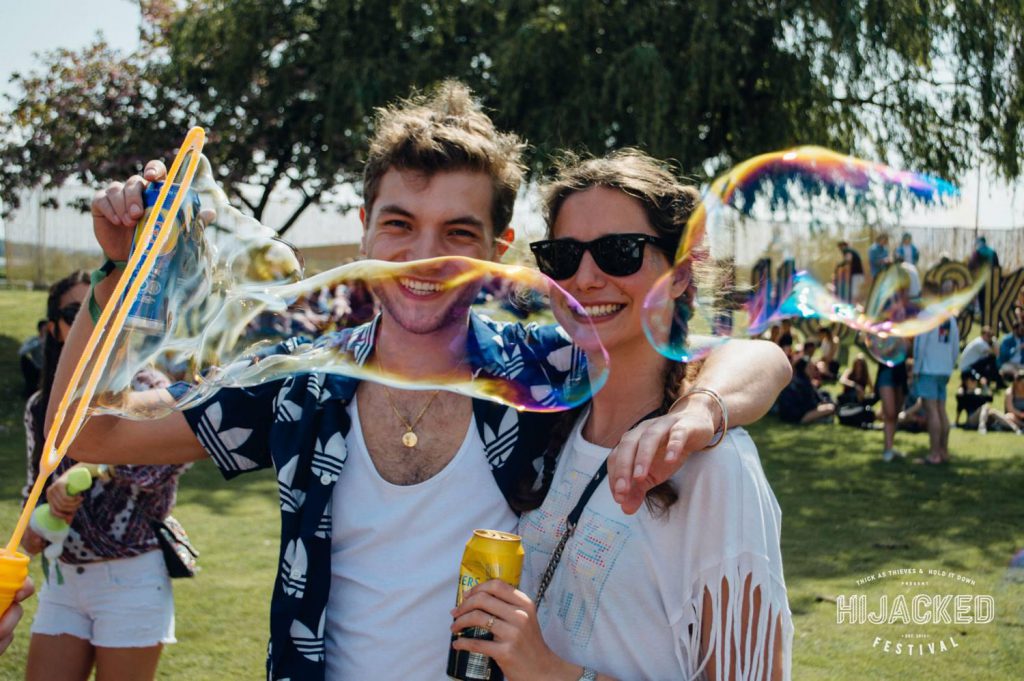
(490, 623)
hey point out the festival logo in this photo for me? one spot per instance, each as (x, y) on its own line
(915, 612)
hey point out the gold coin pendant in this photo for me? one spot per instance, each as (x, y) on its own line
(410, 439)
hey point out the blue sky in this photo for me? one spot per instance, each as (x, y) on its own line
(32, 26)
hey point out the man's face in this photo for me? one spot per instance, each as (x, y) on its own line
(416, 217)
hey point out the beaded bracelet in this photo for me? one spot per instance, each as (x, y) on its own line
(723, 427)
(95, 278)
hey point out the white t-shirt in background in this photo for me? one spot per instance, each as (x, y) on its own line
(936, 351)
(627, 597)
(975, 351)
(395, 555)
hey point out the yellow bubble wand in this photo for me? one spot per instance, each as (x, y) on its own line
(14, 565)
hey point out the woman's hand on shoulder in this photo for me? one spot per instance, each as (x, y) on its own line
(655, 449)
(518, 646)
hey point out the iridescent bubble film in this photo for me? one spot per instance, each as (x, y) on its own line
(227, 300)
(764, 244)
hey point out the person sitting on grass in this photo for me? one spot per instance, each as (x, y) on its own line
(800, 402)
(1015, 401)
(855, 401)
(856, 382)
(912, 418)
(974, 398)
(782, 335)
(1011, 351)
(979, 357)
(828, 362)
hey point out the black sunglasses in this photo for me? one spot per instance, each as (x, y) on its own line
(69, 312)
(618, 255)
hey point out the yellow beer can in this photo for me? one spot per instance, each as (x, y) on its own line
(489, 554)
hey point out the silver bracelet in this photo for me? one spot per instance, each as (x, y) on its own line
(588, 675)
(722, 427)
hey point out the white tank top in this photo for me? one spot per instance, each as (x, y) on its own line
(395, 554)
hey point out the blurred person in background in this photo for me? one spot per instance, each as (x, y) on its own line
(975, 399)
(1011, 351)
(891, 384)
(1014, 403)
(106, 602)
(30, 357)
(878, 255)
(935, 356)
(979, 358)
(852, 258)
(828, 359)
(907, 251)
(983, 255)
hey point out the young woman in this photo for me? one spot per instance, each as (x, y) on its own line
(856, 400)
(1015, 401)
(891, 383)
(828, 344)
(856, 382)
(690, 585)
(107, 602)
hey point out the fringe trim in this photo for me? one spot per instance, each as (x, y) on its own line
(741, 646)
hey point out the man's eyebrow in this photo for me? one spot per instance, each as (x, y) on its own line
(469, 220)
(394, 208)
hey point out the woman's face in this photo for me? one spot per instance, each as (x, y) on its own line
(75, 295)
(613, 304)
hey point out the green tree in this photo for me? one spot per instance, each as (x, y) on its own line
(91, 115)
(927, 84)
(287, 90)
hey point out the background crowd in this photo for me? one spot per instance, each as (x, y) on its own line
(833, 380)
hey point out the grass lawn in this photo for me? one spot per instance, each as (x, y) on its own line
(846, 516)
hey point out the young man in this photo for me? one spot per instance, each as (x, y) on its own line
(852, 257)
(979, 359)
(1011, 352)
(373, 528)
(935, 355)
(907, 251)
(878, 255)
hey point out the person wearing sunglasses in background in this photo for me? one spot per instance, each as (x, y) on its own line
(692, 584)
(107, 601)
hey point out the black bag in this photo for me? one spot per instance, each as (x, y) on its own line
(856, 415)
(179, 554)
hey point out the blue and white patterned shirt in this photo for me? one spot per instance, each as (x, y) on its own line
(298, 425)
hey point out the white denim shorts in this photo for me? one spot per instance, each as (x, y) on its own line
(124, 603)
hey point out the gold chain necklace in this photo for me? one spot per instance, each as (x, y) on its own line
(409, 439)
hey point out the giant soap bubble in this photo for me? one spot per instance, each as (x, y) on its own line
(762, 247)
(212, 299)
(226, 306)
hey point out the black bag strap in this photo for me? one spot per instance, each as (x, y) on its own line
(573, 519)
